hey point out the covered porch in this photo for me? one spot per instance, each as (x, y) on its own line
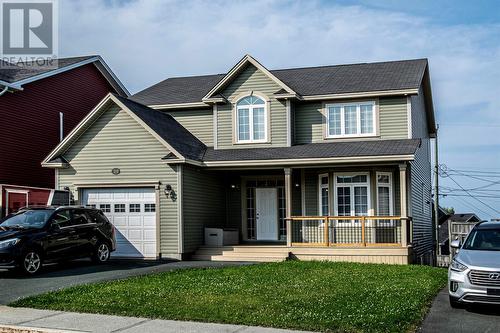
(334, 212)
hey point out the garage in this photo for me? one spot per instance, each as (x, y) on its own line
(133, 213)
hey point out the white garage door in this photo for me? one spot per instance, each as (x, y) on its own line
(133, 213)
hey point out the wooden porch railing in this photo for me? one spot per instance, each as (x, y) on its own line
(363, 231)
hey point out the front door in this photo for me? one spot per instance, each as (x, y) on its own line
(266, 205)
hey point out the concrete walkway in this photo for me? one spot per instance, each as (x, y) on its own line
(56, 321)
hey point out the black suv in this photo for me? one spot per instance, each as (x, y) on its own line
(37, 235)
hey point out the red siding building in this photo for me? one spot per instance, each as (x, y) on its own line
(31, 106)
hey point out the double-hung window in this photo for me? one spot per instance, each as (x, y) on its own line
(350, 119)
(251, 120)
(352, 194)
(323, 195)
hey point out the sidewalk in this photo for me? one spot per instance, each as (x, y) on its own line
(57, 321)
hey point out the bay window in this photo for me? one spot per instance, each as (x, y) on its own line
(251, 120)
(350, 119)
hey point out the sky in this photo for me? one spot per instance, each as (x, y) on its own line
(146, 41)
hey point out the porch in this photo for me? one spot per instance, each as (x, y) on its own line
(342, 213)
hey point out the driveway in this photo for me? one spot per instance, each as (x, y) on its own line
(478, 318)
(14, 286)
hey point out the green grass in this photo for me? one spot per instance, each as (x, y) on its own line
(320, 296)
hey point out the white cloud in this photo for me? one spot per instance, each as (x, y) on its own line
(146, 41)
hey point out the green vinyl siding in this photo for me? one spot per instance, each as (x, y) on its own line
(309, 120)
(199, 122)
(393, 114)
(308, 123)
(203, 204)
(311, 192)
(251, 79)
(115, 140)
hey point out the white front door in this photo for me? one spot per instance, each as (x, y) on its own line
(266, 205)
(133, 213)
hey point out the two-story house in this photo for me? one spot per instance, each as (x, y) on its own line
(40, 103)
(325, 162)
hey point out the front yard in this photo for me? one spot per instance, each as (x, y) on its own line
(318, 296)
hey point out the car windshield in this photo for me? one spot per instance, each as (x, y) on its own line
(28, 219)
(484, 240)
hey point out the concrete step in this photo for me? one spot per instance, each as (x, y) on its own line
(237, 258)
(245, 249)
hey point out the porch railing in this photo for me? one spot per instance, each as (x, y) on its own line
(326, 231)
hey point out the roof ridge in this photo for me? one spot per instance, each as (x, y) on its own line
(350, 64)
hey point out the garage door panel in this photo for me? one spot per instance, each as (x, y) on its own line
(135, 228)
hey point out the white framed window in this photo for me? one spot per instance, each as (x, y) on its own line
(385, 206)
(251, 119)
(352, 194)
(323, 195)
(350, 119)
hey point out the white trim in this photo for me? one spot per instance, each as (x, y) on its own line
(7, 191)
(250, 109)
(88, 120)
(215, 129)
(361, 94)
(122, 184)
(180, 215)
(305, 161)
(390, 186)
(321, 186)
(56, 179)
(178, 105)
(288, 123)
(409, 115)
(97, 59)
(351, 186)
(358, 120)
(51, 197)
(236, 69)
(303, 191)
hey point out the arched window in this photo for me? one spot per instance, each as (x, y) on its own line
(251, 119)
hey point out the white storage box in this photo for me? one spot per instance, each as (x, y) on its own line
(221, 237)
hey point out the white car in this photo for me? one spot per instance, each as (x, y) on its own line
(474, 273)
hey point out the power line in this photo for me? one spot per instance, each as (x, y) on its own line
(473, 207)
(470, 195)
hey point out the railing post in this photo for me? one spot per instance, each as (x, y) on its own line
(327, 233)
(288, 205)
(404, 205)
(363, 240)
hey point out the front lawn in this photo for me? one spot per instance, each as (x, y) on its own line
(318, 296)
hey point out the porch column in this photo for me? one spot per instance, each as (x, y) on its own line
(288, 205)
(404, 204)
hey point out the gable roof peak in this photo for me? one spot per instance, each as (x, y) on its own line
(247, 59)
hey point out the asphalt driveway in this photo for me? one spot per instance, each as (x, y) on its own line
(14, 286)
(474, 318)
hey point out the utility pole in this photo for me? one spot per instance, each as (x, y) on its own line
(436, 194)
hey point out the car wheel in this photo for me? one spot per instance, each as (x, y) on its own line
(101, 253)
(31, 262)
(454, 303)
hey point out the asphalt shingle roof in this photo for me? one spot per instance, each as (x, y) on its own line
(16, 72)
(364, 77)
(462, 217)
(317, 150)
(168, 129)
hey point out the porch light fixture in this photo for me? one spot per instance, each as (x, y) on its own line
(168, 190)
(297, 185)
(234, 186)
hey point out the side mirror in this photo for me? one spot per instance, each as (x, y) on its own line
(455, 244)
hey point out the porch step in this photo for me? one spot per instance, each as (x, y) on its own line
(237, 258)
(242, 253)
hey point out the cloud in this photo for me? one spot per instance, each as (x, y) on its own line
(146, 41)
